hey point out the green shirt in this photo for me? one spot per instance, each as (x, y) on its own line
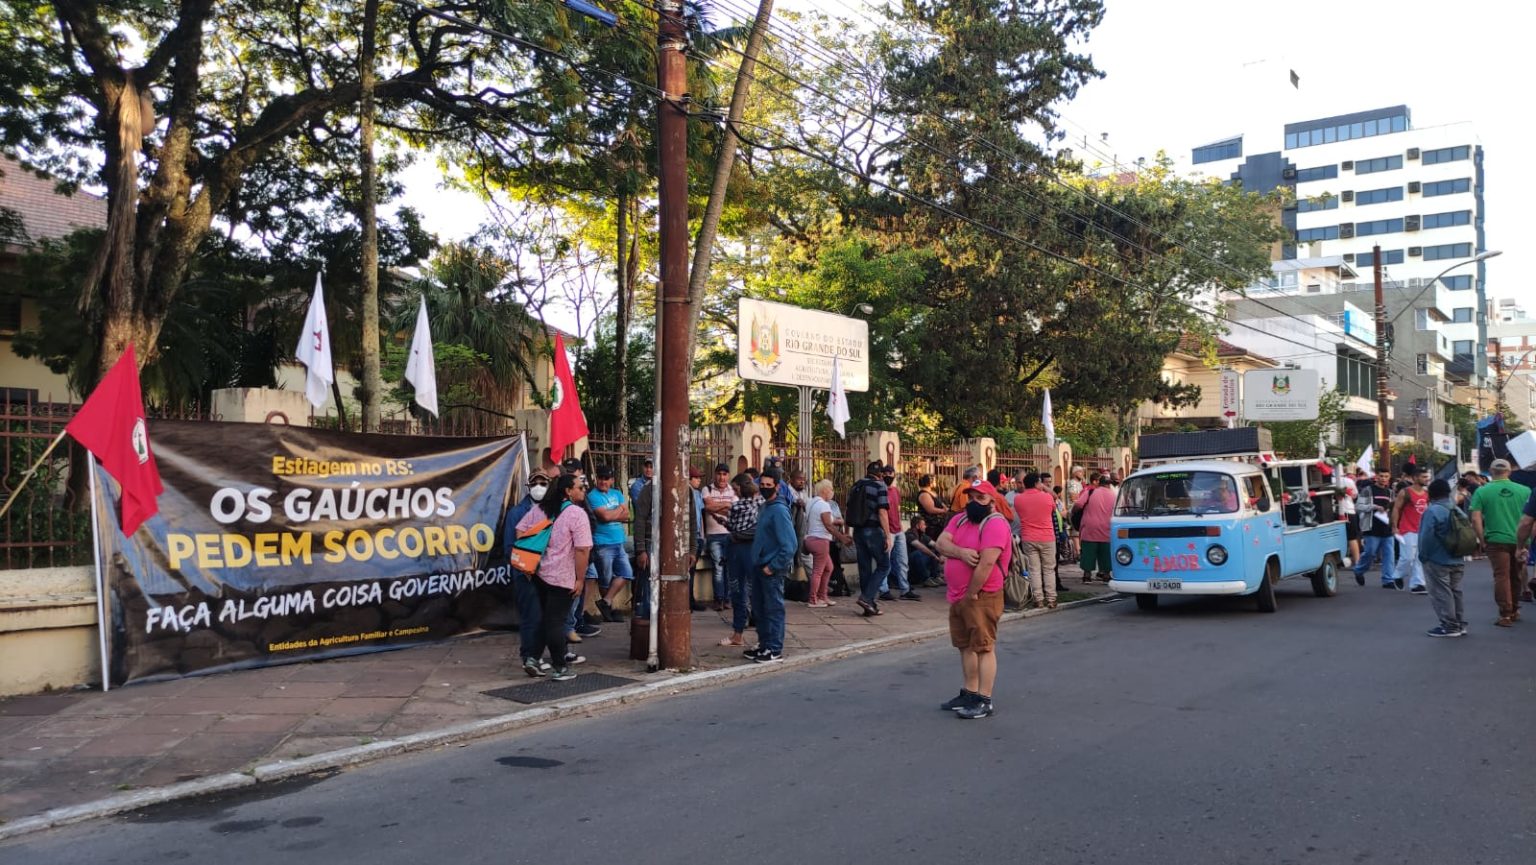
(1500, 502)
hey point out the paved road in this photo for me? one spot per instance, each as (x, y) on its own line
(1331, 732)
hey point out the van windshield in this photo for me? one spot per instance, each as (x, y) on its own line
(1176, 492)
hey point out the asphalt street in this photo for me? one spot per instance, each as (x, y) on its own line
(1333, 731)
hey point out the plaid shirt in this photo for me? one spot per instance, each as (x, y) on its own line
(741, 522)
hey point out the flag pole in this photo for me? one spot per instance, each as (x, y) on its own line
(101, 584)
(27, 475)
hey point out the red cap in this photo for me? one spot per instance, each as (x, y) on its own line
(981, 486)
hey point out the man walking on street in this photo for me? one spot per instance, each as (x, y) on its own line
(773, 552)
(1374, 505)
(1496, 508)
(978, 547)
(1442, 570)
(899, 586)
(868, 504)
(1407, 511)
(1036, 507)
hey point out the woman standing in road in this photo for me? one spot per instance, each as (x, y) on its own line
(563, 564)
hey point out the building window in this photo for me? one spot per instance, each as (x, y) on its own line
(1321, 172)
(1447, 219)
(1461, 314)
(10, 315)
(1457, 283)
(1346, 131)
(1379, 196)
(1388, 256)
(1447, 250)
(1461, 347)
(1379, 226)
(1381, 163)
(1448, 187)
(1326, 232)
(1421, 319)
(1326, 202)
(1421, 364)
(1447, 154)
(1220, 150)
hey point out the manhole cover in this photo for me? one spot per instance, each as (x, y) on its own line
(545, 690)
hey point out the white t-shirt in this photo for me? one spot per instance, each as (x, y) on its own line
(814, 526)
(1347, 500)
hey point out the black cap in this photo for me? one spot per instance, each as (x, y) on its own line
(722, 467)
(570, 465)
(605, 471)
(875, 468)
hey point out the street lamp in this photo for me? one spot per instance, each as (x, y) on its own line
(1481, 256)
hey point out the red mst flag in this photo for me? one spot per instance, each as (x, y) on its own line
(111, 426)
(567, 422)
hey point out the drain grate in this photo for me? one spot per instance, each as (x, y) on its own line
(545, 690)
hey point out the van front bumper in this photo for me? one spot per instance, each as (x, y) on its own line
(1191, 587)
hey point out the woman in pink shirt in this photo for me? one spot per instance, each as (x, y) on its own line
(565, 557)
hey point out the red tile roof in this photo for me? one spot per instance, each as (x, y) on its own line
(46, 213)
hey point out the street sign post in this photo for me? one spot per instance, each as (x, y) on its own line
(1231, 396)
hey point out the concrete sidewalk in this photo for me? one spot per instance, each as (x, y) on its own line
(69, 748)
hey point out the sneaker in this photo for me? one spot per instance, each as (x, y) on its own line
(751, 654)
(958, 701)
(887, 596)
(911, 596)
(594, 618)
(606, 611)
(1391, 584)
(1441, 631)
(1398, 583)
(767, 657)
(564, 674)
(979, 707)
(1359, 578)
(867, 607)
(586, 630)
(535, 668)
(572, 659)
(1419, 590)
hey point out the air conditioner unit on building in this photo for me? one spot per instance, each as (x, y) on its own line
(1415, 251)
(1349, 256)
(1414, 186)
(1289, 172)
(1410, 223)
(1413, 153)
(1347, 230)
(1348, 166)
(1347, 195)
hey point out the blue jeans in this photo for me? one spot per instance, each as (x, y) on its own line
(1371, 548)
(768, 601)
(898, 568)
(529, 615)
(740, 570)
(922, 568)
(716, 546)
(874, 561)
(611, 562)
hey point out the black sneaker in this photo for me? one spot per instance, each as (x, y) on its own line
(767, 657)
(980, 707)
(887, 596)
(564, 674)
(606, 611)
(1398, 584)
(1419, 590)
(587, 630)
(1391, 584)
(1440, 631)
(958, 701)
(593, 618)
(911, 596)
(1359, 578)
(751, 654)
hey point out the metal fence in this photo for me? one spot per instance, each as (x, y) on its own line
(48, 525)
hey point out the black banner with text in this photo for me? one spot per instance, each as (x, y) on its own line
(279, 543)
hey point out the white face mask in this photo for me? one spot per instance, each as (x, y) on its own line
(537, 491)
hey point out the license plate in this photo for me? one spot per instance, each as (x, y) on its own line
(1166, 585)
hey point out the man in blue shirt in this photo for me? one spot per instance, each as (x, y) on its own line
(647, 472)
(773, 553)
(611, 512)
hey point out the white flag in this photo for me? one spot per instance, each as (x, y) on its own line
(1045, 419)
(314, 350)
(1364, 463)
(837, 401)
(421, 368)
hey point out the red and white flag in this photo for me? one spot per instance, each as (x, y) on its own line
(111, 426)
(567, 422)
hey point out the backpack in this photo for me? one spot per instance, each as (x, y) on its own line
(1078, 507)
(1460, 537)
(857, 514)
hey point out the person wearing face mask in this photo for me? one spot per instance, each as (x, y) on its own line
(526, 595)
(978, 547)
(773, 553)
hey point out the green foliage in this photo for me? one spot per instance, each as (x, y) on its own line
(593, 370)
(1423, 453)
(1301, 439)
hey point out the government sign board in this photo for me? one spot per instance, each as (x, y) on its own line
(1280, 394)
(1445, 444)
(782, 344)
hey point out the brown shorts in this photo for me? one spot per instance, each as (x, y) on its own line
(973, 623)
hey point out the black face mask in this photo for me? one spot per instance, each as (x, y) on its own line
(768, 493)
(976, 512)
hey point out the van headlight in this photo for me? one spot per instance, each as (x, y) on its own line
(1124, 555)
(1216, 554)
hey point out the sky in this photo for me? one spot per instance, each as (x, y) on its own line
(1170, 66)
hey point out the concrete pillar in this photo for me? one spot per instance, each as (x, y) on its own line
(260, 405)
(882, 445)
(983, 452)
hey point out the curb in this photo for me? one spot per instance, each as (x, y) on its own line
(278, 770)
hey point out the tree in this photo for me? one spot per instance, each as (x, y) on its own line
(1304, 439)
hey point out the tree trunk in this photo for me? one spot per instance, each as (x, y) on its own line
(373, 383)
(622, 315)
(704, 244)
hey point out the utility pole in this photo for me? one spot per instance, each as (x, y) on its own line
(675, 638)
(1383, 448)
(1498, 375)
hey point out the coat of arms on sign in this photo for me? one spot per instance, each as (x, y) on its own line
(765, 344)
(1281, 384)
